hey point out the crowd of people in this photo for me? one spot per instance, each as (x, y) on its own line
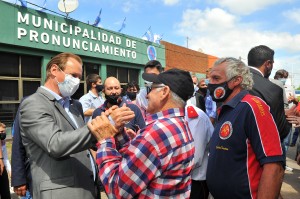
(176, 137)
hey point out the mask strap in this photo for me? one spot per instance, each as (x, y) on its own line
(61, 71)
(231, 80)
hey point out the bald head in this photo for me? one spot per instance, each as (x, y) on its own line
(112, 86)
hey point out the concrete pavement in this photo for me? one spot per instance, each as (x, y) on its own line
(291, 183)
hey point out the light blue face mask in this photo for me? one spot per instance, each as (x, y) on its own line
(206, 81)
(283, 80)
(69, 86)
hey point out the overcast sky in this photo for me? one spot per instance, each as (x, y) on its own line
(217, 27)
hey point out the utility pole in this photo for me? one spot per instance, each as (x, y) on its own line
(187, 42)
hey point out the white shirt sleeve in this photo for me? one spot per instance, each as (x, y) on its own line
(201, 129)
(141, 99)
(85, 102)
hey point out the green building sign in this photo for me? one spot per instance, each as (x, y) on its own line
(30, 28)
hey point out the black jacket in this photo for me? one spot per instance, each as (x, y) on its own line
(273, 96)
(19, 162)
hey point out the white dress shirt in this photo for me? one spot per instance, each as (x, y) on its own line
(201, 129)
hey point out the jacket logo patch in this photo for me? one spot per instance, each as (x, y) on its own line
(225, 130)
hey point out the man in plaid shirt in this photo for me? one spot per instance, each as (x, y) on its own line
(158, 161)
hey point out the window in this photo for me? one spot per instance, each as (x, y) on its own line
(31, 66)
(134, 75)
(8, 113)
(20, 76)
(9, 65)
(91, 68)
(112, 71)
(30, 87)
(88, 68)
(124, 75)
(9, 90)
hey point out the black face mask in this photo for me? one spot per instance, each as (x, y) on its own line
(113, 99)
(99, 88)
(131, 95)
(2, 136)
(203, 90)
(219, 92)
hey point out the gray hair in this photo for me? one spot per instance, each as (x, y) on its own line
(176, 99)
(235, 67)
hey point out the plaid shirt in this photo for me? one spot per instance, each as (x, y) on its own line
(157, 163)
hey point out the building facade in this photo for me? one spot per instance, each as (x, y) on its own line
(30, 38)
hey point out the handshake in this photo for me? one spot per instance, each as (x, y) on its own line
(110, 122)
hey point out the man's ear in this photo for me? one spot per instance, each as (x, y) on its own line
(237, 81)
(54, 70)
(165, 91)
(268, 64)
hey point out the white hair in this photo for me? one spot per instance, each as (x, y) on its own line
(176, 99)
(235, 67)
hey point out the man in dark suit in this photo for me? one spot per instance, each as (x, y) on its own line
(55, 136)
(20, 171)
(261, 59)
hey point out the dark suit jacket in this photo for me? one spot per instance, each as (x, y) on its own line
(56, 148)
(20, 168)
(273, 96)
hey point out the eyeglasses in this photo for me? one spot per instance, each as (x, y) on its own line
(149, 88)
(73, 75)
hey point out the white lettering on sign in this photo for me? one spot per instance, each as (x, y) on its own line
(51, 32)
(21, 33)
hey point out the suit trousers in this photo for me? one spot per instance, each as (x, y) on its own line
(199, 190)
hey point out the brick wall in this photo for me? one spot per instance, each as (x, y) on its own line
(187, 59)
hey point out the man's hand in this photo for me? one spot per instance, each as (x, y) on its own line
(20, 190)
(291, 111)
(120, 116)
(130, 133)
(292, 99)
(294, 120)
(1, 166)
(101, 128)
